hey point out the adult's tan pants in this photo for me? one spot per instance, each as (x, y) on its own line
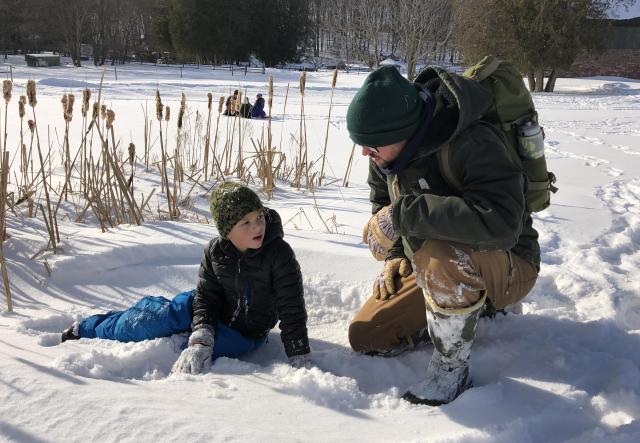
(454, 276)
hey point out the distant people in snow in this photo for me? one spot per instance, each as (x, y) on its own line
(258, 108)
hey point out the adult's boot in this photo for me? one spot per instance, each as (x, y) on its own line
(452, 332)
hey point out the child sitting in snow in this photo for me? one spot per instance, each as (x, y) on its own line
(249, 279)
(257, 111)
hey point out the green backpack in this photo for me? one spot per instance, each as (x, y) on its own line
(513, 117)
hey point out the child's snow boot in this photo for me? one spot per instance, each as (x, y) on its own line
(72, 333)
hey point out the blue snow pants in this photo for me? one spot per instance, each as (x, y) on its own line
(154, 317)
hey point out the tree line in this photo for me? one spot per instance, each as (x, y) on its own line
(540, 36)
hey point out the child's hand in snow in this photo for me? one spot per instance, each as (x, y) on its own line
(196, 359)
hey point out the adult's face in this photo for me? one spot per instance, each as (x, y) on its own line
(384, 155)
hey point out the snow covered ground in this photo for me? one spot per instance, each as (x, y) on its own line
(567, 369)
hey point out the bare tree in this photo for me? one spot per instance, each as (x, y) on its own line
(73, 18)
(422, 25)
(371, 22)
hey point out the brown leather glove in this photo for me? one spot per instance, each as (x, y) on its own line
(384, 287)
(379, 234)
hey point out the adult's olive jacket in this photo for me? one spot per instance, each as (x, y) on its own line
(251, 291)
(490, 212)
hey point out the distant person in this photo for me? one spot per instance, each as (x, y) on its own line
(245, 109)
(249, 279)
(231, 104)
(258, 108)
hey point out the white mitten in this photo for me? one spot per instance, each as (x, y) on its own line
(196, 359)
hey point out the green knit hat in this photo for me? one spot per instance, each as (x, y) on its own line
(229, 203)
(386, 109)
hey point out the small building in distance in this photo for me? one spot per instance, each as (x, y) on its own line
(42, 60)
(620, 59)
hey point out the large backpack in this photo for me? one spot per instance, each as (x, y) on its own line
(512, 115)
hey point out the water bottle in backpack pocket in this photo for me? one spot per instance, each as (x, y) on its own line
(531, 151)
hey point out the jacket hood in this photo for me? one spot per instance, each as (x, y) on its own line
(471, 99)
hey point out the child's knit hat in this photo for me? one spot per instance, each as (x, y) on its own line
(229, 203)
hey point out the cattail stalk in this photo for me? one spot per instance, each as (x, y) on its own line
(67, 114)
(269, 182)
(347, 172)
(178, 172)
(33, 126)
(128, 194)
(7, 85)
(3, 264)
(86, 97)
(24, 161)
(326, 134)
(215, 139)
(165, 177)
(302, 139)
(207, 140)
(240, 159)
(147, 133)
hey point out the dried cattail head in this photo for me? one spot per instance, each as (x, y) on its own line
(6, 90)
(158, 105)
(31, 93)
(64, 106)
(209, 99)
(220, 104)
(303, 81)
(96, 111)
(21, 104)
(69, 111)
(238, 102)
(103, 111)
(270, 100)
(335, 78)
(167, 113)
(65, 102)
(32, 125)
(132, 153)
(111, 116)
(183, 100)
(86, 96)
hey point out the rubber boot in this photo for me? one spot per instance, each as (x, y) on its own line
(71, 333)
(452, 333)
(407, 343)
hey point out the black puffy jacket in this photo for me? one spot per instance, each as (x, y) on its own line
(251, 291)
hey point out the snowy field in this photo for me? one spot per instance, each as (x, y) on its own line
(566, 369)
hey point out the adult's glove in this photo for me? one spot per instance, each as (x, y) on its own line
(384, 286)
(300, 361)
(196, 359)
(379, 233)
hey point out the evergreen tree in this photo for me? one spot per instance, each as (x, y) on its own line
(219, 30)
(279, 29)
(537, 35)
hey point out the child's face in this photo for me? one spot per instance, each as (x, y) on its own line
(248, 233)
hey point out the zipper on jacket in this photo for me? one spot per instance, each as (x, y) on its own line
(240, 294)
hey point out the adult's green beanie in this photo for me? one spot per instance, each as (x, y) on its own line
(386, 109)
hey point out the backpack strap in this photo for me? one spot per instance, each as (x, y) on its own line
(444, 157)
(445, 168)
(488, 69)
